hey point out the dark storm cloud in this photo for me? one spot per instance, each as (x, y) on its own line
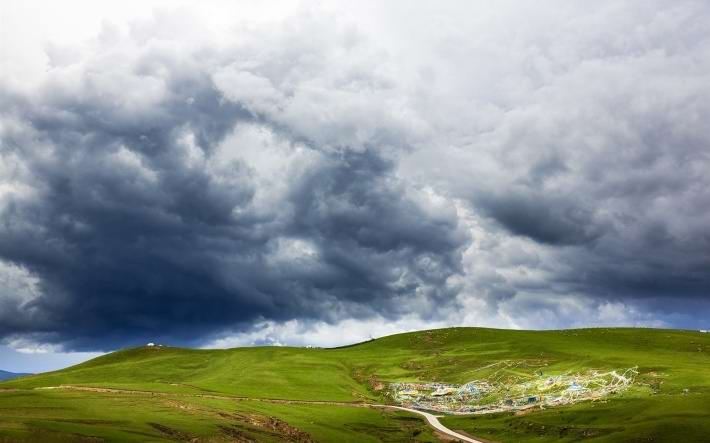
(135, 232)
(160, 186)
(628, 219)
(374, 240)
(541, 218)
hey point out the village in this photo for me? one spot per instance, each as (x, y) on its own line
(539, 390)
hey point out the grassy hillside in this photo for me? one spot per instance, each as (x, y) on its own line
(188, 393)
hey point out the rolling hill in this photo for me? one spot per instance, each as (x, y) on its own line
(300, 394)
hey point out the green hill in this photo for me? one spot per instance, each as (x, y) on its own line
(272, 393)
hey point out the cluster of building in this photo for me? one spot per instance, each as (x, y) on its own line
(482, 396)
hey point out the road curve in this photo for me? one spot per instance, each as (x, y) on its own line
(434, 422)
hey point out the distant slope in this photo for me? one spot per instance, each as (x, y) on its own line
(670, 398)
(347, 374)
(5, 375)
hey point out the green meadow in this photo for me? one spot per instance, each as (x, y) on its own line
(302, 394)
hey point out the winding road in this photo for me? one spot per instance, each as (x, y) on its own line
(435, 423)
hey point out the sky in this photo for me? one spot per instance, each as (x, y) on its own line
(235, 173)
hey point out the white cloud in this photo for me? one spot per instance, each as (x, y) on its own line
(18, 286)
(516, 313)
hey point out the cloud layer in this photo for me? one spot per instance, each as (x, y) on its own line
(192, 188)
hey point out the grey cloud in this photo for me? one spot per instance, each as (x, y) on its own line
(134, 230)
(589, 149)
(441, 167)
(555, 221)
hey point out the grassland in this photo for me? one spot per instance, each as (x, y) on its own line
(262, 394)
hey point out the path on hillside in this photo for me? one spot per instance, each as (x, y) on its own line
(435, 423)
(199, 394)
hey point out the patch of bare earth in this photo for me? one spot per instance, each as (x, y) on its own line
(254, 427)
(375, 384)
(278, 426)
(173, 433)
(236, 435)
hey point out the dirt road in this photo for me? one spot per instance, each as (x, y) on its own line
(435, 423)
